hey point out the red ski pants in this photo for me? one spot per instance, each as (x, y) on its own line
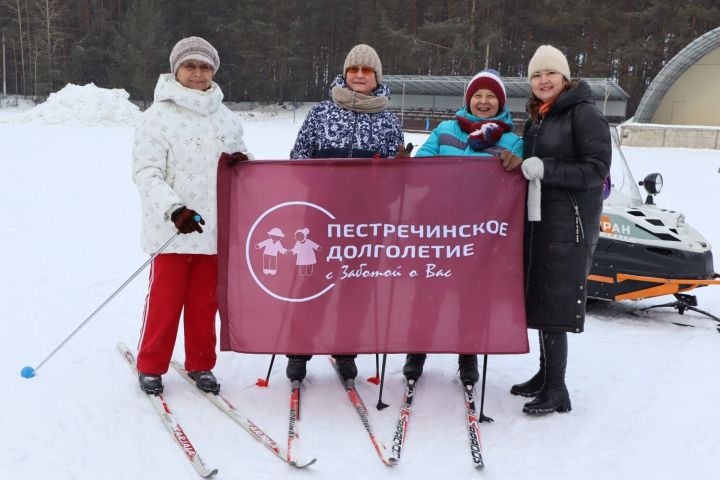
(179, 282)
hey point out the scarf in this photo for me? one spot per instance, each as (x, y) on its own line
(358, 102)
(483, 134)
(545, 108)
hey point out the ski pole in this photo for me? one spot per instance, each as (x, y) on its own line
(376, 378)
(29, 372)
(483, 417)
(380, 404)
(264, 383)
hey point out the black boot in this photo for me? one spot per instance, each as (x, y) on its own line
(553, 396)
(150, 384)
(532, 387)
(414, 365)
(346, 366)
(468, 364)
(205, 381)
(297, 367)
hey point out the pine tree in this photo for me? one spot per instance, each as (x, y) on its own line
(140, 51)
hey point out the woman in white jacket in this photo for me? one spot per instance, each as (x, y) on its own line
(175, 158)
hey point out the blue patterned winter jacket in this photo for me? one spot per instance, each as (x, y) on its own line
(449, 139)
(331, 131)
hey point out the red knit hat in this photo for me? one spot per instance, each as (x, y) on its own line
(489, 79)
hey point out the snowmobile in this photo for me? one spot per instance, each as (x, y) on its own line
(645, 251)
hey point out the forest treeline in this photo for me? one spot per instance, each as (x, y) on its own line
(278, 50)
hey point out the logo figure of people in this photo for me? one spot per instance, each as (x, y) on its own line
(304, 250)
(271, 247)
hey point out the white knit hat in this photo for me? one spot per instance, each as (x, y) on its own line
(194, 48)
(364, 55)
(548, 57)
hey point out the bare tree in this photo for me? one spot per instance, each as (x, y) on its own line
(48, 13)
(15, 9)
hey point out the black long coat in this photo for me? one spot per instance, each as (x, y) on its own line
(573, 141)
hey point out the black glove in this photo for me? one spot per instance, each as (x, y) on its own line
(185, 220)
(404, 151)
(235, 158)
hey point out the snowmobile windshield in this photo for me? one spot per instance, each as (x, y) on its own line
(624, 187)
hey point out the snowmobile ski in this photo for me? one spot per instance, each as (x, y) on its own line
(170, 421)
(248, 425)
(472, 426)
(362, 412)
(403, 421)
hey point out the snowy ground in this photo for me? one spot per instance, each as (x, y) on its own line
(644, 390)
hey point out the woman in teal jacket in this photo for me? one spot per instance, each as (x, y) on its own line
(483, 127)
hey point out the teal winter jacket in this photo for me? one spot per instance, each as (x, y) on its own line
(448, 139)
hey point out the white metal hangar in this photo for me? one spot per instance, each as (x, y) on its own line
(687, 89)
(680, 107)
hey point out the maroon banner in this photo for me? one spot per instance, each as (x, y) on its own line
(371, 256)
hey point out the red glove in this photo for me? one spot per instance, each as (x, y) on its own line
(187, 221)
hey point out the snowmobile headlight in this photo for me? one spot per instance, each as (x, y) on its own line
(653, 183)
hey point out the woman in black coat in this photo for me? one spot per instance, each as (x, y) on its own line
(567, 149)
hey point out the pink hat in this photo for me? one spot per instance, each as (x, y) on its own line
(489, 79)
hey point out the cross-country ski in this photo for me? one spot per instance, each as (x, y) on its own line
(168, 418)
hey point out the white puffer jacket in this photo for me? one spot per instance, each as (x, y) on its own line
(175, 158)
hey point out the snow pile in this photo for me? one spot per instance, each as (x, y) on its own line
(86, 105)
(15, 102)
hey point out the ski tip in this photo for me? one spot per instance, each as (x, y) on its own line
(209, 473)
(27, 372)
(390, 462)
(302, 465)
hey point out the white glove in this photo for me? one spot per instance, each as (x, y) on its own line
(533, 168)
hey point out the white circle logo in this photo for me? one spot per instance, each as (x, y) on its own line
(248, 244)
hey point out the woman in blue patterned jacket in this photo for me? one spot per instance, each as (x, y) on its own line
(483, 127)
(354, 123)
